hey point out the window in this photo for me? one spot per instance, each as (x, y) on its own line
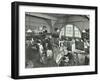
(70, 31)
(77, 32)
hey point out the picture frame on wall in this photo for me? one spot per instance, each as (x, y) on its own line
(52, 40)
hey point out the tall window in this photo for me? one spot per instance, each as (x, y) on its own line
(77, 32)
(70, 31)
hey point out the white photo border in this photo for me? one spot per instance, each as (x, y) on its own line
(54, 70)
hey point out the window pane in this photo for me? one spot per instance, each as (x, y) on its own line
(69, 30)
(77, 32)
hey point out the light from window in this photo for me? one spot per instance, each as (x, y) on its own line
(77, 32)
(70, 31)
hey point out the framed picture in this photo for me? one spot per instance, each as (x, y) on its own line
(51, 40)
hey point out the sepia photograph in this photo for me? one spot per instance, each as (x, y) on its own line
(56, 40)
